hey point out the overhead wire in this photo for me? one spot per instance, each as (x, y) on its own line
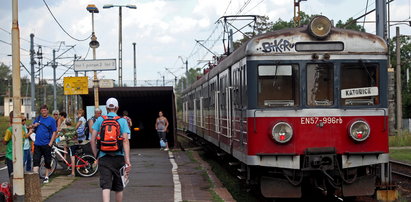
(51, 13)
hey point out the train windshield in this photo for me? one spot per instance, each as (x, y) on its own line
(320, 84)
(359, 84)
(278, 86)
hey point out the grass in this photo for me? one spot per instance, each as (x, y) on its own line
(233, 185)
(401, 155)
(401, 139)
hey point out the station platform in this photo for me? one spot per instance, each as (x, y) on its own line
(155, 176)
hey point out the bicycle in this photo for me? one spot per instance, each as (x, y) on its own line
(86, 164)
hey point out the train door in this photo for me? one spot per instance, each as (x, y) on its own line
(225, 111)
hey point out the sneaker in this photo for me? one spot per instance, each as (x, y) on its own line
(46, 180)
(166, 149)
(70, 175)
(161, 149)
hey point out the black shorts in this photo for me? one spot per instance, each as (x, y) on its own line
(39, 151)
(73, 149)
(109, 167)
(162, 136)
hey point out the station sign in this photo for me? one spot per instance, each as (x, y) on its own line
(102, 83)
(75, 85)
(95, 65)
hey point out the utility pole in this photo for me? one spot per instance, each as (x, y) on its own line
(18, 173)
(175, 77)
(135, 67)
(54, 65)
(186, 63)
(381, 18)
(398, 80)
(32, 72)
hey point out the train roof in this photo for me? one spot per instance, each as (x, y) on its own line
(282, 42)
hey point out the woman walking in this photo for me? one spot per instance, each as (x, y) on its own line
(161, 127)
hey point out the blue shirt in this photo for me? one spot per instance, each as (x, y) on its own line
(44, 131)
(123, 129)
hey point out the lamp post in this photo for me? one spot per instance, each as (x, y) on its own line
(94, 44)
(120, 46)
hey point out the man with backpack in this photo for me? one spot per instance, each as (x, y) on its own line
(111, 146)
(45, 136)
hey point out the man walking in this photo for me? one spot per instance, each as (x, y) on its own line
(110, 163)
(45, 136)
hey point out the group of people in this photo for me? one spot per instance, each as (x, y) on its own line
(47, 129)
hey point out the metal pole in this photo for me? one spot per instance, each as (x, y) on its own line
(54, 81)
(381, 18)
(398, 80)
(32, 72)
(120, 52)
(135, 68)
(18, 174)
(186, 73)
(96, 104)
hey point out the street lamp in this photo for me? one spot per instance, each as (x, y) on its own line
(94, 44)
(120, 47)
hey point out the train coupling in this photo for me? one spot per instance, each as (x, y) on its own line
(319, 159)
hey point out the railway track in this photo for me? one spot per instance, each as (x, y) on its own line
(401, 169)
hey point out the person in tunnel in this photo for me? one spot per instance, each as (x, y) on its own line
(129, 122)
(161, 127)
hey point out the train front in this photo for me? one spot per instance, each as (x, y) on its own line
(318, 117)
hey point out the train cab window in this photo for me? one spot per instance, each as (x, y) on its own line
(278, 86)
(320, 84)
(359, 84)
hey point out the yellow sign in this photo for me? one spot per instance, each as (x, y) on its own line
(75, 85)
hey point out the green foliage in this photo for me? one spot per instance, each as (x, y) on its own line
(401, 139)
(401, 155)
(181, 85)
(350, 24)
(44, 91)
(405, 55)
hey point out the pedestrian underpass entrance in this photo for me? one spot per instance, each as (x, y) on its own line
(143, 105)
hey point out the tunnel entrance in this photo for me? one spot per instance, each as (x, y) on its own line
(143, 105)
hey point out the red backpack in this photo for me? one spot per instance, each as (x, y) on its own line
(109, 138)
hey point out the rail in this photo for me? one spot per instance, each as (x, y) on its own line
(401, 169)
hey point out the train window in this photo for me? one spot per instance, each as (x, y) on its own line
(359, 84)
(320, 84)
(274, 84)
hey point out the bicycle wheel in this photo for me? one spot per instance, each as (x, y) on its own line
(42, 168)
(86, 165)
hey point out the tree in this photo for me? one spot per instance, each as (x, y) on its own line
(5, 81)
(405, 55)
(350, 24)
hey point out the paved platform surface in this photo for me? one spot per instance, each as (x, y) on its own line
(151, 179)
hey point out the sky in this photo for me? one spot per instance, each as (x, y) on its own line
(164, 31)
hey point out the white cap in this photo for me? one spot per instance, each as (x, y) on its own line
(112, 103)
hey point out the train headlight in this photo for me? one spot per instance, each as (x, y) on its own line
(320, 27)
(360, 131)
(282, 132)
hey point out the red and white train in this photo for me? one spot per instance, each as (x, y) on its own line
(301, 109)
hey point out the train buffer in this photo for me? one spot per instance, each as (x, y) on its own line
(151, 179)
